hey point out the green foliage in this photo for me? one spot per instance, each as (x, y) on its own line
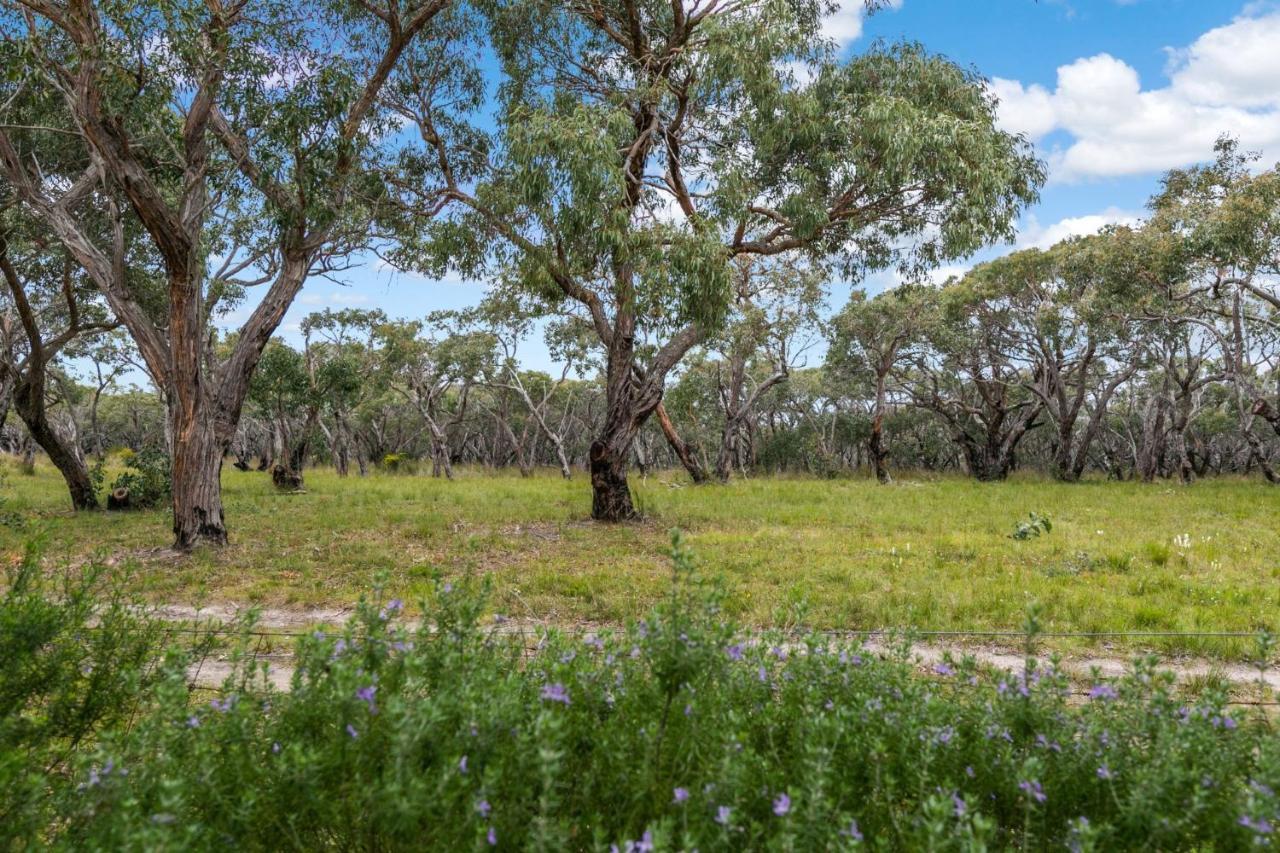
(147, 477)
(398, 463)
(77, 661)
(1031, 528)
(674, 732)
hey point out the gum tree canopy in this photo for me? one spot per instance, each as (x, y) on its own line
(248, 139)
(638, 147)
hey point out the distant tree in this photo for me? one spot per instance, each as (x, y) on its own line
(874, 336)
(1223, 219)
(54, 306)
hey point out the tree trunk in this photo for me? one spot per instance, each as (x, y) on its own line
(29, 403)
(682, 450)
(879, 453)
(196, 479)
(610, 495)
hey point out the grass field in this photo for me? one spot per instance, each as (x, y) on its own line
(931, 554)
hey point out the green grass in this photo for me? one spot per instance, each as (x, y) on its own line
(933, 554)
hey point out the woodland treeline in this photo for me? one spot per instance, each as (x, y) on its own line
(1090, 357)
(663, 191)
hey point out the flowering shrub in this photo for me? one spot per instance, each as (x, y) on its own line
(676, 733)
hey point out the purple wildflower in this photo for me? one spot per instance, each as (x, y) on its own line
(193, 722)
(1031, 787)
(734, 652)
(492, 837)
(555, 693)
(763, 674)
(365, 694)
(644, 845)
(943, 670)
(351, 730)
(393, 607)
(483, 808)
(1103, 691)
(462, 765)
(782, 804)
(960, 807)
(680, 795)
(1104, 772)
(853, 831)
(722, 815)
(1260, 825)
(275, 747)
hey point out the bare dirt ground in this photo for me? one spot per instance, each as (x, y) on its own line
(286, 622)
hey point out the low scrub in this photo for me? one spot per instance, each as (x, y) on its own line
(675, 733)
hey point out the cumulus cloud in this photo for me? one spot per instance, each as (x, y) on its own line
(844, 25)
(1224, 82)
(1034, 235)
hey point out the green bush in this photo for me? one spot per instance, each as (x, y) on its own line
(147, 478)
(75, 661)
(399, 463)
(672, 734)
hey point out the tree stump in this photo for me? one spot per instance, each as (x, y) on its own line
(118, 498)
(285, 479)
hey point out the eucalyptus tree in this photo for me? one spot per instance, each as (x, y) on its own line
(248, 138)
(283, 390)
(972, 377)
(639, 148)
(427, 362)
(773, 320)
(1074, 327)
(875, 336)
(1225, 220)
(342, 365)
(55, 307)
(506, 316)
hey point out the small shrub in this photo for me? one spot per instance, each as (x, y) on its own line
(147, 479)
(399, 463)
(1158, 553)
(1031, 528)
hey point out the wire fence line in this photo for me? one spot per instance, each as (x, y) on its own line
(577, 630)
(507, 632)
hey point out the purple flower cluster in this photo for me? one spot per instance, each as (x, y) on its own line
(556, 693)
(1031, 787)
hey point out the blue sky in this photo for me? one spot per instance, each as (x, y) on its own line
(1112, 92)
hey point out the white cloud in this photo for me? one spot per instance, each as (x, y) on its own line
(1034, 235)
(1227, 81)
(844, 25)
(1236, 64)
